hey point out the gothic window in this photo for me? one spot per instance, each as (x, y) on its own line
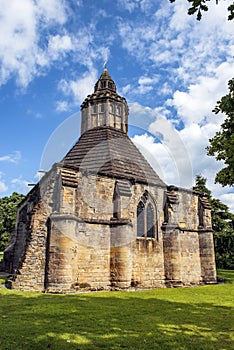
(110, 85)
(140, 220)
(102, 108)
(111, 108)
(146, 218)
(150, 220)
(118, 110)
(94, 108)
(103, 84)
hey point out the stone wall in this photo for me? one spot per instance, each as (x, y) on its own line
(29, 248)
(79, 255)
(70, 238)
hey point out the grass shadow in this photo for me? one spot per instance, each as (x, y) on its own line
(159, 319)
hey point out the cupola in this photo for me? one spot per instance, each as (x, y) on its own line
(104, 107)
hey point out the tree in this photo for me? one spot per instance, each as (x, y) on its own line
(200, 186)
(222, 144)
(197, 6)
(223, 226)
(8, 211)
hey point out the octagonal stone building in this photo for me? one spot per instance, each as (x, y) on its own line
(102, 219)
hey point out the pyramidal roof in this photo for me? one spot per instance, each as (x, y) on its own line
(105, 82)
(110, 152)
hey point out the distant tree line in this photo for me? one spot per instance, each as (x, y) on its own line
(8, 211)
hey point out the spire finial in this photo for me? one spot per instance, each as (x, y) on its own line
(105, 64)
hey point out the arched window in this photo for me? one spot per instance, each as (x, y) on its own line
(118, 110)
(150, 220)
(111, 108)
(94, 108)
(103, 84)
(146, 218)
(140, 220)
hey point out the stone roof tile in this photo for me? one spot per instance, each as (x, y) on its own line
(108, 151)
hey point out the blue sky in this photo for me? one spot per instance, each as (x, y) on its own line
(171, 69)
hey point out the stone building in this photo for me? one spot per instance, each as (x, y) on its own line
(102, 219)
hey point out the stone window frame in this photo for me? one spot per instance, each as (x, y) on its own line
(143, 206)
(103, 84)
(118, 111)
(95, 109)
(112, 108)
(102, 108)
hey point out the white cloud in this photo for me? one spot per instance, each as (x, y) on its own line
(228, 199)
(20, 185)
(131, 5)
(158, 157)
(146, 84)
(181, 154)
(53, 10)
(12, 158)
(58, 45)
(62, 106)
(189, 48)
(80, 88)
(22, 25)
(197, 103)
(3, 187)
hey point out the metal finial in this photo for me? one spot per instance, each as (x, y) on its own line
(104, 64)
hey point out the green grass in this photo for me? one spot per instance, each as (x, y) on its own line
(183, 318)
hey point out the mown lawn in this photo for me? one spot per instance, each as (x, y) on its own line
(183, 318)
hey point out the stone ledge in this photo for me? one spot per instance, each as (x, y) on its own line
(68, 216)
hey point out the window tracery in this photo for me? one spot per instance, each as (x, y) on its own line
(146, 217)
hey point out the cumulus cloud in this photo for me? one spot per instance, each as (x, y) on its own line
(79, 88)
(195, 105)
(158, 156)
(59, 44)
(178, 155)
(22, 28)
(12, 157)
(197, 47)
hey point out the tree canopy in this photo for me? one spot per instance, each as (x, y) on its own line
(223, 226)
(222, 144)
(199, 6)
(8, 211)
